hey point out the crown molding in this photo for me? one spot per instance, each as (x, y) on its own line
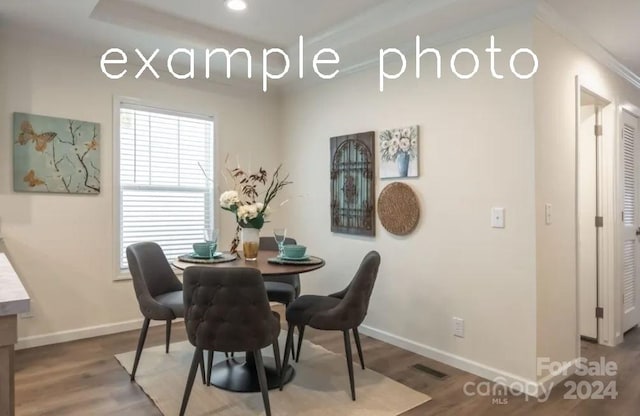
(355, 31)
(548, 15)
(349, 34)
(473, 27)
(372, 21)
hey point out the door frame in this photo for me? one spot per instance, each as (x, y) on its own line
(608, 155)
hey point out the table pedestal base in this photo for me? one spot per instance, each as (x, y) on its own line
(241, 376)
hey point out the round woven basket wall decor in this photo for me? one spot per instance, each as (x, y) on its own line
(398, 208)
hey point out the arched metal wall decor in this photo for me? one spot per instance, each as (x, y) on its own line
(353, 184)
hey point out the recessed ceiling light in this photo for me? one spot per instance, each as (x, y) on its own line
(236, 5)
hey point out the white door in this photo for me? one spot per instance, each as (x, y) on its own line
(587, 212)
(630, 221)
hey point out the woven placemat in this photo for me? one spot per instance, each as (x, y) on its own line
(310, 262)
(398, 209)
(225, 258)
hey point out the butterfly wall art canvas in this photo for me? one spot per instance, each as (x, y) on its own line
(55, 155)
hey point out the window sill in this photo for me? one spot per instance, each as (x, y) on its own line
(122, 276)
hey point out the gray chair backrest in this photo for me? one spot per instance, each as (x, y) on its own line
(361, 287)
(269, 243)
(226, 309)
(152, 276)
(352, 309)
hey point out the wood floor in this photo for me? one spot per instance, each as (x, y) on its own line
(83, 378)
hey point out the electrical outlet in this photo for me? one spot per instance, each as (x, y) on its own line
(458, 327)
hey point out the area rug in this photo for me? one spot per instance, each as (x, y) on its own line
(320, 387)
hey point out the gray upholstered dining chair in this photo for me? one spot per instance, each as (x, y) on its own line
(356, 334)
(344, 312)
(280, 289)
(226, 309)
(158, 290)
(276, 289)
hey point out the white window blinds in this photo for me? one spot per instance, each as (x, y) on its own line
(164, 195)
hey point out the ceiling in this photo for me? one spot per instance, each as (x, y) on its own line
(614, 24)
(277, 22)
(357, 29)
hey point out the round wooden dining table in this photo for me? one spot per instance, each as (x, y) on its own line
(262, 264)
(239, 375)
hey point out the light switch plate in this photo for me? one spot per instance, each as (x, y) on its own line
(497, 217)
(547, 214)
(458, 327)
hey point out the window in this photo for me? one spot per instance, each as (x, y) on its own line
(164, 194)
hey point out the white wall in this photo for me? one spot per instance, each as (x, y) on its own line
(555, 125)
(476, 151)
(61, 245)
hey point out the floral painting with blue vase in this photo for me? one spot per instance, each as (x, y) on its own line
(399, 157)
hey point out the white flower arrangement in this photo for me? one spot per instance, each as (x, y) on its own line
(229, 198)
(395, 142)
(249, 212)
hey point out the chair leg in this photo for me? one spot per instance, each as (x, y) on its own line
(276, 355)
(293, 352)
(300, 337)
(197, 359)
(168, 341)
(262, 379)
(356, 335)
(210, 367)
(143, 337)
(347, 348)
(202, 367)
(288, 347)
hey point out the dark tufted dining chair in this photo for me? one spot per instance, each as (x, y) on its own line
(333, 313)
(158, 290)
(226, 309)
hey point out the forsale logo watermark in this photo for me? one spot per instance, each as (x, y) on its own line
(583, 367)
(500, 390)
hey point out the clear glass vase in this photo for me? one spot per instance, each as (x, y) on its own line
(250, 243)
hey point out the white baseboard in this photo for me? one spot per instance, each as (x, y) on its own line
(531, 387)
(553, 379)
(81, 333)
